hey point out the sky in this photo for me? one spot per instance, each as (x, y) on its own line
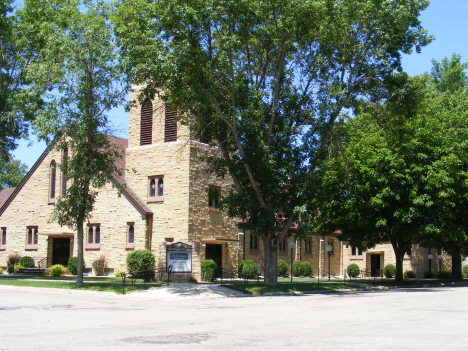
(446, 20)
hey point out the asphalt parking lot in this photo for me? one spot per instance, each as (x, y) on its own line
(216, 319)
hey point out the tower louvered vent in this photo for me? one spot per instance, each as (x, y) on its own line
(170, 132)
(146, 126)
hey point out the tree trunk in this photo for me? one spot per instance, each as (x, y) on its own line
(456, 265)
(79, 271)
(271, 264)
(399, 254)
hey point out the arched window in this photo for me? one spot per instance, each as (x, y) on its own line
(146, 124)
(35, 236)
(64, 174)
(53, 176)
(160, 187)
(98, 235)
(152, 188)
(170, 125)
(30, 236)
(90, 235)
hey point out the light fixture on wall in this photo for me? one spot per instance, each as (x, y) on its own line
(71, 240)
(204, 245)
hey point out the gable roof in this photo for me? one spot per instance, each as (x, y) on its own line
(5, 194)
(120, 143)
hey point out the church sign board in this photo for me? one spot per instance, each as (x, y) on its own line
(179, 257)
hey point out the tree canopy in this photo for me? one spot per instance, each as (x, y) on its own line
(12, 173)
(265, 81)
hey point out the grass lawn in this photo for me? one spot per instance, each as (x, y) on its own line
(105, 284)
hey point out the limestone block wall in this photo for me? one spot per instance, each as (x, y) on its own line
(183, 130)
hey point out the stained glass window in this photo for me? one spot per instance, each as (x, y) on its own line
(131, 235)
(152, 188)
(160, 187)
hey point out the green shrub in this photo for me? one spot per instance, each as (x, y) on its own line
(353, 270)
(208, 268)
(13, 259)
(1, 270)
(465, 271)
(428, 275)
(249, 269)
(410, 274)
(57, 270)
(26, 262)
(307, 268)
(73, 265)
(118, 273)
(140, 260)
(282, 267)
(240, 267)
(445, 274)
(17, 267)
(389, 271)
(100, 265)
(11, 268)
(297, 270)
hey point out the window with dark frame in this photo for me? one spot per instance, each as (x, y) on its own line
(64, 174)
(355, 251)
(160, 187)
(308, 246)
(53, 176)
(408, 253)
(253, 242)
(94, 234)
(4, 234)
(282, 245)
(32, 237)
(156, 188)
(131, 233)
(214, 197)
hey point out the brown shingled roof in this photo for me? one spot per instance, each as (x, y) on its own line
(5, 194)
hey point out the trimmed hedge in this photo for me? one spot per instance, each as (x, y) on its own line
(118, 273)
(445, 274)
(140, 260)
(72, 265)
(282, 267)
(389, 271)
(410, 274)
(26, 262)
(57, 270)
(208, 268)
(249, 268)
(297, 269)
(465, 271)
(307, 268)
(353, 270)
(1, 270)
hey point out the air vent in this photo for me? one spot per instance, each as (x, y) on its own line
(170, 133)
(146, 126)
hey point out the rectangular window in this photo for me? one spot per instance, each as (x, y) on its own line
(94, 236)
(253, 242)
(355, 251)
(408, 253)
(282, 245)
(308, 246)
(32, 237)
(3, 238)
(156, 188)
(130, 235)
(214, 197)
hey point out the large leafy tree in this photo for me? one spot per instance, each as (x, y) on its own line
(80, 70)
(264, 81)
(19, 47)
(12, 173)
(399, 171)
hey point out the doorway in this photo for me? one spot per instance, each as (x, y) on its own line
(215, 252)
(60, 251)
(375, 265)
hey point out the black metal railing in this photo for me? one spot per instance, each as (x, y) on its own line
(236, 280)
(46, 262)
(368, 276)
(148, 277)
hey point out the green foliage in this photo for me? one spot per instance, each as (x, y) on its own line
(259, 72)
(282, 267)
(26, 262)
(353, 270)
(465, 271)
(12, 173)
(11, 268)
(13, 258)
(140, 260)
(57, 270)
(445, 274)
(100, 265)
(410, 274)
(1, 270)
(118, 273)
(389, 271)
(249, 269)
(208, 268)
(428, 275)
(307, 268)
(73, 265)
(17, 267)
(297, 269)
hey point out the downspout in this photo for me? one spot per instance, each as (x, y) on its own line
(149, 230)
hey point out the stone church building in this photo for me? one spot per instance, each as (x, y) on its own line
(168, 197)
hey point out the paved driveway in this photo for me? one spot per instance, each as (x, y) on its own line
(179, 318)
